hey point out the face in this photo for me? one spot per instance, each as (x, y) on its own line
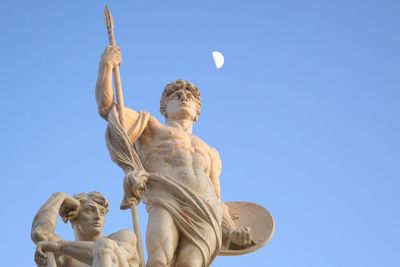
(181, 105)
(90, 220)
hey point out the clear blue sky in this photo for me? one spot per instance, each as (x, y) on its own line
(305, 114)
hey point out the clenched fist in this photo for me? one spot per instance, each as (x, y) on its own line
(112, 56)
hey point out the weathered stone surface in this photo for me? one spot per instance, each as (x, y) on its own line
(86, 213)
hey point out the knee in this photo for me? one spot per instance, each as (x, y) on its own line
(158, 259)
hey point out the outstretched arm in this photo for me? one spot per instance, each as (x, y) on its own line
(79, 250)
(119, 249)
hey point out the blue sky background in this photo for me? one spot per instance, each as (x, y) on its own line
(305, 114)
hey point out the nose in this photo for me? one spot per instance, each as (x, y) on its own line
(97, 214)
(183, 98)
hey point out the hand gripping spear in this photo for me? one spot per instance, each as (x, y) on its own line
(121, 115)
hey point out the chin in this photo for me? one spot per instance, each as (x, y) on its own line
(98, 230)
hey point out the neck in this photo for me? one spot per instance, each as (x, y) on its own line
(185, 125)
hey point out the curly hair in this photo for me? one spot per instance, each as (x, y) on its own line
(177, 85)
(95, 196)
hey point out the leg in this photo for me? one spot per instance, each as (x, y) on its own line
(189, 254)
(107, 253)
(162, 238)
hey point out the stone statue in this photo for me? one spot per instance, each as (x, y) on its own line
(188, 223)
(171, 170)
(86, 213)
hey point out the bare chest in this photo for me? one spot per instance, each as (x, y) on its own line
(171, 147)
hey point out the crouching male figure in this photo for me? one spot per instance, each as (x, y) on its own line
(86, 213)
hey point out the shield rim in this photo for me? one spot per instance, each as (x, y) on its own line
(228, 252)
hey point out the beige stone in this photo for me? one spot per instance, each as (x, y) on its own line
(86, 213)
(246, 214)
(171, 170)
(176, 174)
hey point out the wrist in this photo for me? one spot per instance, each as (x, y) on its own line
(106, 64)
(50, 246)
(58, 245)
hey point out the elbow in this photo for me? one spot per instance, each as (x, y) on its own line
(104, 105)
(40, 235)
(103, 112)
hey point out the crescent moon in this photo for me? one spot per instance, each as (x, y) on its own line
(218, 59)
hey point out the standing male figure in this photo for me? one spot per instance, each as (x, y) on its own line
(188, 223)
(86, 213)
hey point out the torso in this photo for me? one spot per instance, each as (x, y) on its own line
(180, 155)
(126, 241)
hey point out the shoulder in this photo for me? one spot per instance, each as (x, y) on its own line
(197, 140)
(153, 126)
(126, 241)
(214, 154)
(154, 122)
(138, 123)
(124, 235)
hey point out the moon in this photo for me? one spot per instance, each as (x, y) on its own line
(218, 59)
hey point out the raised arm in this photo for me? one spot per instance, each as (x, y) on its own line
(44, 223)
(110, 58)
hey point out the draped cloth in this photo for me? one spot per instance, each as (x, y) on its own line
(194, 217)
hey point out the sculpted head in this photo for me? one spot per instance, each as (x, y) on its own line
(88, 225)
(180, 99)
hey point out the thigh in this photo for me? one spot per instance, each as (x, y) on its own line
(189, 255)
(192, 255)
(162, 236)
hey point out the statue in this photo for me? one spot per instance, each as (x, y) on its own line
(176, 173)
(86, 213)
(185, 209)
(171, 170)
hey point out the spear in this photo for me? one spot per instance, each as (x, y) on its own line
(109, 21)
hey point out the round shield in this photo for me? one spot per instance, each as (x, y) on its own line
(246, 214)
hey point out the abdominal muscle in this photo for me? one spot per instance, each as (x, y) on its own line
(178, 158)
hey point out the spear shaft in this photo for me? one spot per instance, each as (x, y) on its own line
(117, 79)
(121, 115)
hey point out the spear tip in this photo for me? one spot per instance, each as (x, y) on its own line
(108, 18)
